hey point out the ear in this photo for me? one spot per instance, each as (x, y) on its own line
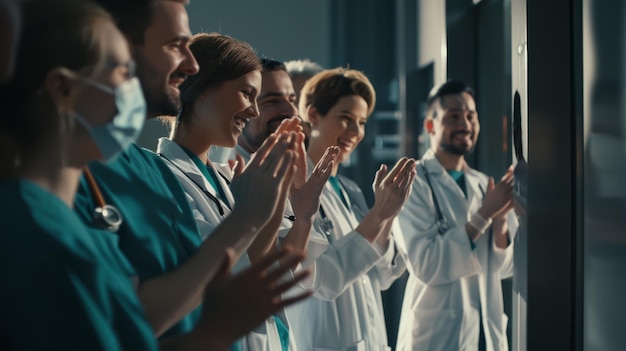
(429, 125)
(313, 116)
(58, 86)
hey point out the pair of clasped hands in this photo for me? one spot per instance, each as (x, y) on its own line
(277, 172)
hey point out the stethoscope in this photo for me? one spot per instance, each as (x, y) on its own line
(215, 200)
(105, 216)
(442, 223)
(326, 225)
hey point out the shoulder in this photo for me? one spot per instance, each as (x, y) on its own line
(224, 170)
(349, 184)
(482, 177)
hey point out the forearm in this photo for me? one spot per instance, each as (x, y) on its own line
(170, 297)
(501, 233)
(266, 239)
(384, 237)
(298, 236)
(373, 225)
(472, 233)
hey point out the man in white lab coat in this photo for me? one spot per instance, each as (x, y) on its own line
(458, 229)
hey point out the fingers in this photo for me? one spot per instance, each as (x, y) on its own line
(490, 184)
(408, 168)
(380, 175)
(223, 272)
(239, 166)
(227, 263)
(407, 180)
(274, 159)
(260, 155)
(290, 301)
(300, 143)
(325, 164)
(284, 166)
(400, 165)
(263, 264)
(287, 264)
(289, 125)
(283, 287)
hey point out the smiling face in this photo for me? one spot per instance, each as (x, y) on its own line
(342, 126)
(276, 103)
(453, 127)
(220, 114)
(164, 59)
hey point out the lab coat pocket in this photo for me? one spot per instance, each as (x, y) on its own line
(504, 345)
(505, 323)
(436, 329)
(256, 342)
(359, 346)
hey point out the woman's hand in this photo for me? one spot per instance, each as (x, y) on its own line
(392, 189)
(293, 124)
(306, 199)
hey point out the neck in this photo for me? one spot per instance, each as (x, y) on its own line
(192, 142)
(449, 161)
(61, 181)
(241, 141)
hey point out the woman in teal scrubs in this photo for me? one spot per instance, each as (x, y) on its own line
(59, 288)
(73, 99)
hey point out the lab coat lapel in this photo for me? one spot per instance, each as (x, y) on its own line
(180, 159)
(475, 189)
(223, 170)
(449, 194)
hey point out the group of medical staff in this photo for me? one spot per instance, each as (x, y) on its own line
(109, 246)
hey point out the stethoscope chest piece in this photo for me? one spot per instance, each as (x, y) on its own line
(108, 217)
(327, 226)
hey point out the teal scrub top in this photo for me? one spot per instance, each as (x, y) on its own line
(59, 288)
(159, 231)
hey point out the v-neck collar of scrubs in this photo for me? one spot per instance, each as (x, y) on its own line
(459, 178)
(334, 182)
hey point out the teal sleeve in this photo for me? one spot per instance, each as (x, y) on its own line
(84, 203)
(67, 303)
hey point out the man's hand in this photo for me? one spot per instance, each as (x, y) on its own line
(392, 189)
(499, 198)
(258, 189)
(233, 306)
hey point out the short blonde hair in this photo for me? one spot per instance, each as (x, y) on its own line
(324, 90)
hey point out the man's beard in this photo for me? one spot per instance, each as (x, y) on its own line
(168, 104)
(159, 100)
(255, 141)
(456, 150)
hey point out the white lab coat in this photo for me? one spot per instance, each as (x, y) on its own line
(449, 280)
(348, 273)
(265, 337)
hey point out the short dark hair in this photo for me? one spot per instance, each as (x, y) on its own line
(271, 65)
(451, 87)
(132, 17)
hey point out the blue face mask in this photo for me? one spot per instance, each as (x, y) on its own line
(124, 129)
